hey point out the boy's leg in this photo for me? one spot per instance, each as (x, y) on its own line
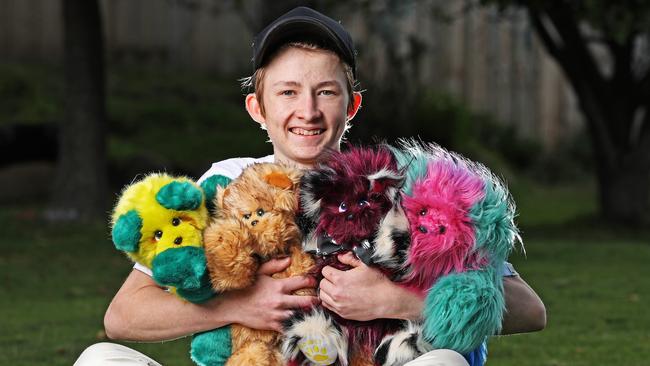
(113, 354)
(439, 357)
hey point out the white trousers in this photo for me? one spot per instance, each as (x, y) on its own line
(115, 354)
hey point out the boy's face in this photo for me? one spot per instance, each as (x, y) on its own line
(305, 101)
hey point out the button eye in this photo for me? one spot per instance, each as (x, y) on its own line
(363, 203)
(247, 216)
(423, 212)
(422, 229)
(442, 229)
(260, 212)
(157, 235)
(343, 207)
(176, 221)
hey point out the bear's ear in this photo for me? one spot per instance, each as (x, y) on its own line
(180, 196)
(314, 185)
(385, 182)
(220, 196)
(278, 179)
(210, 186)
(126, 231)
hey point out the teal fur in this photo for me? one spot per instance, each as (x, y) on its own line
(180, 196)
(463, 309)
(184, 268)
(493, 217)
(414, 164)
(212, 348)
(126, 231)
(209, 186)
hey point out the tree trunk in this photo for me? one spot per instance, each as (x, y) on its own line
(625, 192)
(79, 191)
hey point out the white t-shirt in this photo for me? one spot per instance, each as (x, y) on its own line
(230, 168)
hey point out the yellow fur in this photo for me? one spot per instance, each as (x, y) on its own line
(255, 221)
(141, 196)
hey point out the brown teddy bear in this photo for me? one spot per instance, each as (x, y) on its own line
(255, 222)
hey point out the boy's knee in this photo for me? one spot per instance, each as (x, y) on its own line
(106, 353)
(439, 357)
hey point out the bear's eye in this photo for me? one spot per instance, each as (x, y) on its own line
(363, 203)
(158, 234)
(343, 207)
(423, 212)
(176, 221)
(260, 212)
(247, 216)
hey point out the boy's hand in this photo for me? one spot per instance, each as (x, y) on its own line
(364, 293)
(269, 301)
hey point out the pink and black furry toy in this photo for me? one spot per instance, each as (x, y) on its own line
(349, 202)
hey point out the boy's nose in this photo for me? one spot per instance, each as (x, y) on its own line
(309, 108)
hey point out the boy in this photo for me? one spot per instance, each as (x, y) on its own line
(304, 97)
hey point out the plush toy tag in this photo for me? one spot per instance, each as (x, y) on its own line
(318, 351)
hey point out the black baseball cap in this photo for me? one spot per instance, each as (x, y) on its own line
(304, 24)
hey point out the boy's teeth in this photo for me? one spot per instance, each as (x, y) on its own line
(300, 131)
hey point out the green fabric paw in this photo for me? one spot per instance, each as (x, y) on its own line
(180, 196)
(211, 348)
(126, 231)
(183, 268)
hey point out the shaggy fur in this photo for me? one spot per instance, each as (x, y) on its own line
(352, 200)
(158, 222)
(255, 222)
(462, 230)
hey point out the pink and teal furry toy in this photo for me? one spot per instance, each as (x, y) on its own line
(461, 219)
(158, 222)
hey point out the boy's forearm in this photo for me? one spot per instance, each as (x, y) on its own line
(525, 311)
(142, 311)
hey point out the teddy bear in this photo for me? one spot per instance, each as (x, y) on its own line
(158, 222)
(255, 222)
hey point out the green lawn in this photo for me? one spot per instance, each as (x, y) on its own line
(58, 280)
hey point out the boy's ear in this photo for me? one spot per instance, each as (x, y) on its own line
(355, 106)
(254, 109)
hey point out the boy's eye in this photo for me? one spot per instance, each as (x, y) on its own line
(343, 207)
(327, 92)
(288, 92)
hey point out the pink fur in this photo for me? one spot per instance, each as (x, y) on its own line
(440, 204)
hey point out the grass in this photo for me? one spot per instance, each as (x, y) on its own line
(58, 280)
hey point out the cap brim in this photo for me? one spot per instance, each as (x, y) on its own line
(297, 29)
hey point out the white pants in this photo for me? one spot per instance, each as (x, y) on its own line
(116, 354)
(113, 354)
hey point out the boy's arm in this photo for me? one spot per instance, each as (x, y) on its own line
(143, 311)
(362, 294)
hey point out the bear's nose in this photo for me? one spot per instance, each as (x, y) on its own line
(349, 217)
(178, 240)
(254, 222)
(422, 229)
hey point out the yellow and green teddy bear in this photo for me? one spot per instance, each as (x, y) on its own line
(158, 222)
